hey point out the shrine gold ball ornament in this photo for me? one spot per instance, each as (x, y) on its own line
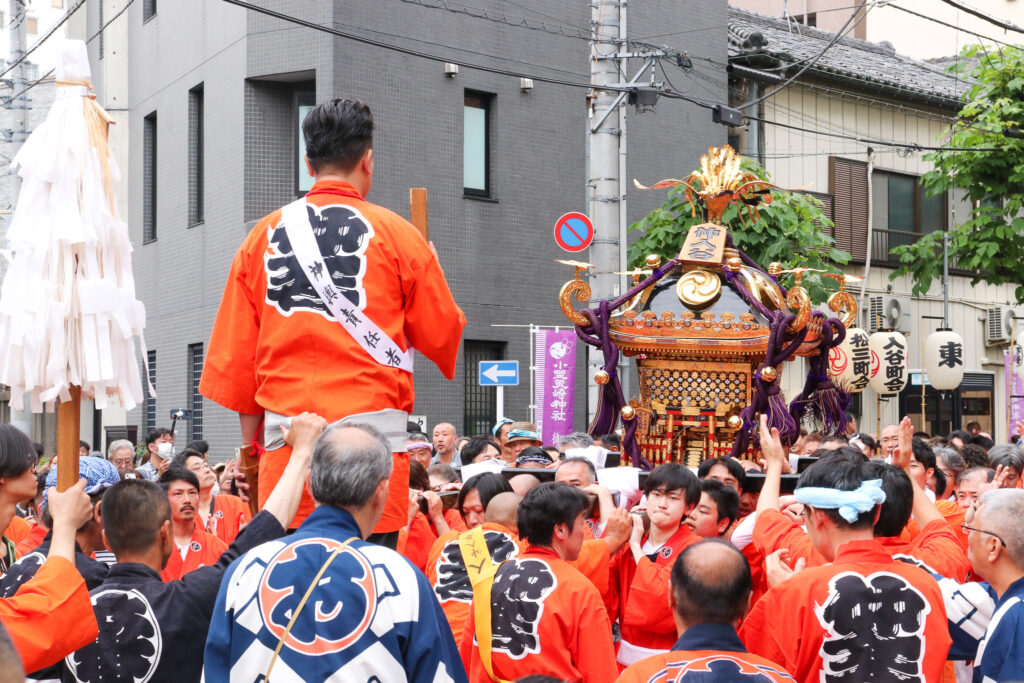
(769, 374)
(627, 413)
(653, 260)
(601, 377)
(734, 422)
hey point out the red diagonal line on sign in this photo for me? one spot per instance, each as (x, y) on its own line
(566, 224)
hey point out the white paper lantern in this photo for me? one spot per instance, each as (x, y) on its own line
(944, 359)
(889, 359)
(849, 364)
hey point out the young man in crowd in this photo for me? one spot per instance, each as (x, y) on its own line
(716, 511)
(640, 572)
(537, 614)
(222, 515)
(194, 547)
(331, 605)
(710, 594)
(159, 451)
(156, 631)
(865, 615)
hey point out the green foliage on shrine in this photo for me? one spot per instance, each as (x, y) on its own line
(990, 243)
(791, 229)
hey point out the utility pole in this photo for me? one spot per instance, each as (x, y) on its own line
(606, 172)
(18, 108)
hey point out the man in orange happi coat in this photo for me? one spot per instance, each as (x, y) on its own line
(324, 302)
(863, 617)
(194, 547)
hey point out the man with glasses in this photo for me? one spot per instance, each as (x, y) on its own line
(121, 453)
(221, 514)
(986, 619)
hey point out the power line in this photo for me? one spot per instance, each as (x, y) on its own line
(500, 17)
(404, 50)
(948, 25)
(987, 17)
(88, 40)
(811, 63)
(43, 39)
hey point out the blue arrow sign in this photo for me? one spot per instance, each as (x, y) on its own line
(499, 373)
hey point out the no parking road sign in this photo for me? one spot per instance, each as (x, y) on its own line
(574, 232)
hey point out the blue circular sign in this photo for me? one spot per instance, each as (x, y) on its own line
(574, 232)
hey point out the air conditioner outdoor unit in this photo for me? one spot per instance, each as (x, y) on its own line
(998, 325)
(888, 312)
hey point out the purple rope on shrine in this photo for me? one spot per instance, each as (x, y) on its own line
(822, 402)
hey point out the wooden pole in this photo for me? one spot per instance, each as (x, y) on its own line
(68, 424)
(418, 209)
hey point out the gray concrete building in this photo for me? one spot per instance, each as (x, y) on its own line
(215, 98)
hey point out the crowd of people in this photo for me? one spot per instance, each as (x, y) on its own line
(900, 558)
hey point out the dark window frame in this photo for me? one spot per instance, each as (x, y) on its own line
(148, 10)
(150, 138)
(887, 234)
(481, 403)
(487, 104)
(196, 358)
(301, 98)
(149, 416)
(196, 156)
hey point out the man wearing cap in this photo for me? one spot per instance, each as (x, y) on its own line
(863, 617)
(501, 429)
(419, 448)
(521, 435)
(99, 475)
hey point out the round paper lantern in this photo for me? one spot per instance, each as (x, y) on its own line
(889, 360)
(849, 364)
(944, 359)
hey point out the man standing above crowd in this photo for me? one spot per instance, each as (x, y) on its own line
(330, 605)
(710, 594)
(536, 614)
(323, 304)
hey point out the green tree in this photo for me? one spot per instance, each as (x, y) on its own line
(990, 243)
(792, 229)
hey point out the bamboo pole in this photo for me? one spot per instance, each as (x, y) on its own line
(418, 209)
(68, 425)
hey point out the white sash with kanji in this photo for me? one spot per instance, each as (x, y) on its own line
(364, 331)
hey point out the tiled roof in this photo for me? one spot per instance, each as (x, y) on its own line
(874, 63)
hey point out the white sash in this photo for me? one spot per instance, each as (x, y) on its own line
(363, 330)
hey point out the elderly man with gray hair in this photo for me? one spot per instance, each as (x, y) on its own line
(121, 453)
(325, 604)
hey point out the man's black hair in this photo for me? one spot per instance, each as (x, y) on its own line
(843, 472)
(174, 474)
(961, 434)
(899, 498)
(487, 486)
(983, 441)
(578, 459)
(133, 511)
(85, 445)
(16, 452)
(923, 453)
(38, 448)
(418, 477)
(546, 506)
(727, 500)
(156, 434)
(477, 445)
(609, 440)
(870, 442)
(180, 459)
(199, 446)
(674, 477)
(975, 455)
(735, 469)
(711, 589)
(337, 133)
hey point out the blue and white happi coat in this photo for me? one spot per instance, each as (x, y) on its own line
(372, 616)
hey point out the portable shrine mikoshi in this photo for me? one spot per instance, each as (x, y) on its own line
(710, 331)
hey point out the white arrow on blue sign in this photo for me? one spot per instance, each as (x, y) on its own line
(499, 373)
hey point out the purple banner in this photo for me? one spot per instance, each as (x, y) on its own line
(1015, 385)
(555, 383)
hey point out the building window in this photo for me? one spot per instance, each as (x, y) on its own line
(305, 100)
(149, 178)
(476, 143)
(848, 185)
(31, 26)
(481, 402)
(148, 10)
(150, 404)
(195, 399)
(901, 212)
(195, 155)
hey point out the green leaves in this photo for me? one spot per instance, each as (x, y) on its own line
(990, 243)
(792, 230)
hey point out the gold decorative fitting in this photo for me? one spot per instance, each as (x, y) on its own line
(652, 261)
(734, 263)
(843, 301)
(774, 268)
(734, 422)
(798, 299)
(698, 288)
(579, 289)
(628, 413)
(769, 374)
(762, 287)
(601, 377)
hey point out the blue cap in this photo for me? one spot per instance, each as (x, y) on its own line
(99, 474)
